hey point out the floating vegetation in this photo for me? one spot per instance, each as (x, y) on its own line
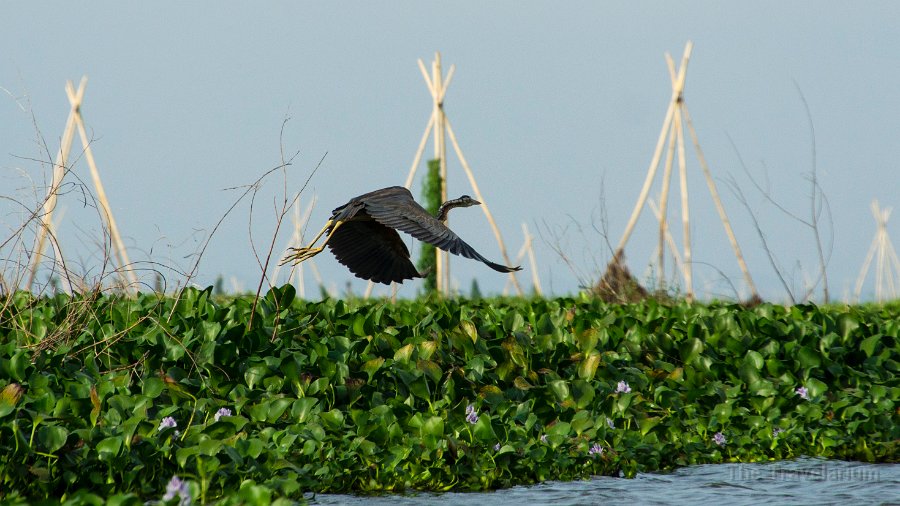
(189, 398)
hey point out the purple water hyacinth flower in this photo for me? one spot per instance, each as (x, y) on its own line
(719, 439)
(803, 393)
(623, 388)
(167, 422)
(497, 447)
(471, 414)
(177, 487)
(222, 412)
(776, 432)
(596, 450)
(610, 423)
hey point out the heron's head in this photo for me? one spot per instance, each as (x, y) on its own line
(466, 201)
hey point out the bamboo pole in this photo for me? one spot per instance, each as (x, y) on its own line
(894, 277)
(887, 264)
(710, 183)
(438, 88)
(662, 216)
(677, 89)
(297, 275)
(129, 280)
(59, 170)
(439, 129)
(527, 249)
(484, 206)
(657, 212)
(723, 216)
(535, 279)
(686, 266)
(442, 263)
(879, 269)
(419, 152)
(648, 181)
(519, 257)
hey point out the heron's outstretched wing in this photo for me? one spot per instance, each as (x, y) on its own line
(372, 251)
(395, 208)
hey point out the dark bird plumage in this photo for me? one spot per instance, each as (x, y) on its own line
(363, 235)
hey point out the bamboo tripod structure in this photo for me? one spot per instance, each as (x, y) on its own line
(126, 274)
(673, 129)
(296, 276)
(527, 249)
(887, 265)
(439, 127)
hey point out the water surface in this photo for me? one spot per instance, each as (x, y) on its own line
(802, 481)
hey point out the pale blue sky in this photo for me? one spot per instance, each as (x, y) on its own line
(552, 104)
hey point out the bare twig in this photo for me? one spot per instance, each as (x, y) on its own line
(739, 194)
(280, 213)
(815, 209)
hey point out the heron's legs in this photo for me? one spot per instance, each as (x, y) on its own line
(298, 255)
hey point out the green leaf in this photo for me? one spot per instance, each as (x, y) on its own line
(581, 422)
(582, 393)
(690, 350)
(52, 437)
(153, 387)
(303, 408)
(647, 424)
(183, 454)
(808, 358)
(846, 325)
(722, 411)
(815, 387)
(483, 429)
(869, 344)
(588, 367)
(255, 374)
(623, 401)
(476, 365)
(559, 429)
(109, 448)
(333, 418)
(433, 426)
(468, 329)
(253, 494)
(359, 325)
(560, 390)
(754, 359)
(210, 446)
(587, 340)
(514, 322)
(16, 366)
(403, 354)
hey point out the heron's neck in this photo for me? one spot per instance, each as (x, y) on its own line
(445, 208)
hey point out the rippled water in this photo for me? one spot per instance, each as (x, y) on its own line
(802, 481)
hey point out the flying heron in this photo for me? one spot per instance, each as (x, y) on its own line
(363, 236)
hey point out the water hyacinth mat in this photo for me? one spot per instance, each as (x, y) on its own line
(189, 397)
